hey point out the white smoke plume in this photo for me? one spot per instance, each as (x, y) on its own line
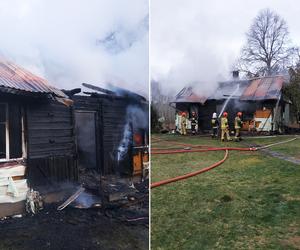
(137, 117)
(73, 41)
(124, 144)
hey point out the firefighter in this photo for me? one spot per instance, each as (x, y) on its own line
(237, 126)
(214, 125)
(194, 123)
(225, 127)
(183, 123)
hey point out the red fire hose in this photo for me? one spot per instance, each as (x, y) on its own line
(181, 177)
(205, 149)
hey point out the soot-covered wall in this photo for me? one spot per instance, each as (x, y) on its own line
(51, 151)
(112, 117)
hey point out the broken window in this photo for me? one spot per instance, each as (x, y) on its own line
(10, 131)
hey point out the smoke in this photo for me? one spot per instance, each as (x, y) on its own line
(124, 144)
(73, 41)
(136, 117)
(196, 68)
(185, 49)
(86, 200)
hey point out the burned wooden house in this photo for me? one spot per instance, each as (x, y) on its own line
(46, 135)
(260, 99)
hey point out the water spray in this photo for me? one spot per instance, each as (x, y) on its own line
(228, 99)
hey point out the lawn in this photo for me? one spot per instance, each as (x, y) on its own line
(290, 149)
(252, 201)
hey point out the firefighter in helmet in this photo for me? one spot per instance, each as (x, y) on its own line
(225, 127)
(214, 125)
(238, 124)
(183, 123)
(194, 122)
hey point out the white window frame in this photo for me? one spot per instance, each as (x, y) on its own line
(6, 133)
(7, 153)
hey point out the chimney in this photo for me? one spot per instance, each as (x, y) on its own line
(235, 74)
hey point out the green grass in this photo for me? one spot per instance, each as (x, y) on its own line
(252, 201)
(290, 149)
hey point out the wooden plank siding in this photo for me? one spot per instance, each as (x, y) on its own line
(114, 121)
(47, 134)
(51, 149)
(85, 103)
(110, 127)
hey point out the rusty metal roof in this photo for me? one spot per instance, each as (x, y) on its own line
(262, 88)
(16, 78)
(266, 88)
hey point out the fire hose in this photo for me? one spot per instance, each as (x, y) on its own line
(182, 177)
(178, 151)
(226, 149)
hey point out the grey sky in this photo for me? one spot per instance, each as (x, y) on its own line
(200, 40)
(74, 41)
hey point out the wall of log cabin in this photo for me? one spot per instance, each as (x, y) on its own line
(84, 103)
(51, 150)
(111, 123)
(51, 141)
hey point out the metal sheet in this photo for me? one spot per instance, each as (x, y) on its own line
(15, 77)
(266, 88)
(187, 95)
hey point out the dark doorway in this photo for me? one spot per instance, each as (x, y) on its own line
(86, 138)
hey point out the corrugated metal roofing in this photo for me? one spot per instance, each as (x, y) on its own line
(225, 89)
(15, 77)
(187, 95)
(264, 88)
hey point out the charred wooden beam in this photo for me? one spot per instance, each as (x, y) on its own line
(71, 92)
(127, 93)
(96, 88)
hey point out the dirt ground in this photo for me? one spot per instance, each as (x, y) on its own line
(72, 229)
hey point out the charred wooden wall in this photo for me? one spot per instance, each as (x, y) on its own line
(204, 113)
(111, 122)
(51, 151)
(114, 121)
(85, 103)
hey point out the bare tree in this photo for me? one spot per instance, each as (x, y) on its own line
(267, 50)
(160, 102)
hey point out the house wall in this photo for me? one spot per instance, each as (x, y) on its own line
(51, 139)
(51, 151)
(248, 108)
(90, 104)
(111, 121)
(114, 121)
(205, 114)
